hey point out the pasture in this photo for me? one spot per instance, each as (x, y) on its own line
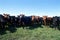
(39, 33)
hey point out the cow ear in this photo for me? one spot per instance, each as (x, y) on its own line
(3, 13)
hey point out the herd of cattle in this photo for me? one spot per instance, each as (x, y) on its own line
(21, 19)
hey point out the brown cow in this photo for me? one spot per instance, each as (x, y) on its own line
(44, 20)
(49, 21)
(33, 19)
(37, 19)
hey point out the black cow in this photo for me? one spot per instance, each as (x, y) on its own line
(58, 23)
(6, 18)
(12, 20)
(2, 22)
(55, 22)
(17, 21)
(59, 20)
(24, 20)
(27, 20)
(41, 21)
(12, 24)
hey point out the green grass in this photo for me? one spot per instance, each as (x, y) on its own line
(34, 34)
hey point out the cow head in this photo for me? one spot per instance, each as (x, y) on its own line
(22, 15)
(6, 15)
(44, 17)
(44, 20)
(33, 17)
(49, 18)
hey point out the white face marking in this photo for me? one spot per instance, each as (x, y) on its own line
(20, 16)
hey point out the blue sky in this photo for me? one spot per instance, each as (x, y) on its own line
(30, 7)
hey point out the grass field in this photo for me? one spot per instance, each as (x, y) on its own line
(44, 33)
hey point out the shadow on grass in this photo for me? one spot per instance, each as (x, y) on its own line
(11, 28)
(35, 26)
(31, 27)
(2, 31)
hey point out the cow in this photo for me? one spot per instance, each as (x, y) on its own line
(37, 19)
(12, 20)
(41, 21)
(17, 21)
(24, 20)
(2, 22)
(9, 20)
(49, 21)
(44, 20)
(6, 18)
(58, 23)
(11, 23)
(32, 19)
(21, 19)
(55, 22)
(27, 20)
